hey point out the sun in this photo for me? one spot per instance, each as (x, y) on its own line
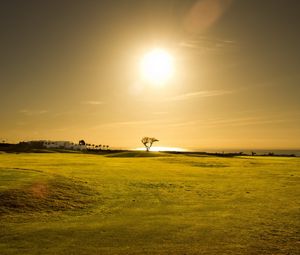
(157, 66)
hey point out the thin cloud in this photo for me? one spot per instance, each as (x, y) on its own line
(234, 122)
(198, 94)
(243, 122)
(92, 102)
(128, 123)
(33, 112)
(204, 45)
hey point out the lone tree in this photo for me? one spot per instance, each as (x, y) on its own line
(148, 141)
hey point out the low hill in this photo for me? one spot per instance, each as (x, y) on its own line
(132, 203)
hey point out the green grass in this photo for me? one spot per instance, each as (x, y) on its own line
(130, 203)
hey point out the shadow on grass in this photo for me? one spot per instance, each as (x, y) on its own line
(56, 194)
(136, 154)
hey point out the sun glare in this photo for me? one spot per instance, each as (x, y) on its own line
(157, 67)
(161, 148)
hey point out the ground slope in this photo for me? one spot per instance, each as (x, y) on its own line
(129, 204)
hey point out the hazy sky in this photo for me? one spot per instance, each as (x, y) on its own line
(69, 70)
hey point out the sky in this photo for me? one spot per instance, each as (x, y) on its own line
(69, 70)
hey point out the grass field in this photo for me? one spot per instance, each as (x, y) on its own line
(125, 203)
